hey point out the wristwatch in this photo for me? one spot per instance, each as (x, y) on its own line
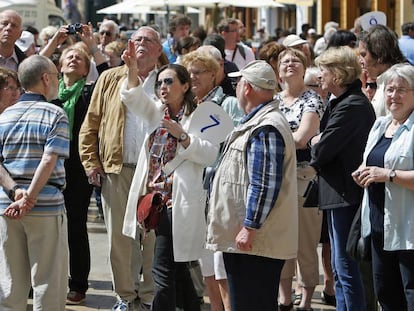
(12, 192)
(182, 137)
(392, 175)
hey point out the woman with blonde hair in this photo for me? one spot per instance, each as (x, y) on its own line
(335, 156)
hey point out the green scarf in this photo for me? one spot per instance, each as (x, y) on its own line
(69, 97)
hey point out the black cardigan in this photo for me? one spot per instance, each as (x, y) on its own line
(340, 149)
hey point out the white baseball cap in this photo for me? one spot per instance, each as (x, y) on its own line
(258, 73)
(293, 40)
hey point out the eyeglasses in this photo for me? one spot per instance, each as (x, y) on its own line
(401, 91)
(107, 33)
(166, 81)
(12, 89)
(231, 30)
(144, 39)
(196, 72)
(294, 62)
(312, 85)
(371, 85)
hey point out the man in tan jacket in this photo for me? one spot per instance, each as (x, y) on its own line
(109, 143)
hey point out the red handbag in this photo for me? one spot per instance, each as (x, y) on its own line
(149, 209)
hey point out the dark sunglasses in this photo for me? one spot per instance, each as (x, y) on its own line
(371, 85)
(108, 33)
(167, 81)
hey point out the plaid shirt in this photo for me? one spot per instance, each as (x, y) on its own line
(265, 152)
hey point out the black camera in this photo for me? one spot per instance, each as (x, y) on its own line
(74, 28)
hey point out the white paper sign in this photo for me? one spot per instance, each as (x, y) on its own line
(373, 18)
(211, 122)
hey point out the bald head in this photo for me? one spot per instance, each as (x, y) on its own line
(10, 30)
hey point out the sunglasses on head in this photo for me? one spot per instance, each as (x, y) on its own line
(371, 85)
(108, 33)
(167, 81)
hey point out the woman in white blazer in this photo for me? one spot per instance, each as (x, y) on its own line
(181, 232)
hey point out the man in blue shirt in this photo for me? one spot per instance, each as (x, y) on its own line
(179, 27)
(253, 218)
(34, 141)
(406, 42)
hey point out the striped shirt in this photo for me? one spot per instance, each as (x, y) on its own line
(27, 130)
(265, 153)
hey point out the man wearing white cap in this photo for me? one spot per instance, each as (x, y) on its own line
(254, 226)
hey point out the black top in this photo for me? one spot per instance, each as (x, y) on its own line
(340, 149)
(376, 191)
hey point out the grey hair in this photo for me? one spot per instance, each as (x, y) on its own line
(111, 24)
(31, 70)
(404, 71)
(157, 34)
(311, 75)
(212, 50)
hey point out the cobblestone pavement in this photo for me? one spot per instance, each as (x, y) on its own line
(100, 295)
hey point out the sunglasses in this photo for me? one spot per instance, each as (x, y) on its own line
(167, 81)
(107, 33)
(371, 85)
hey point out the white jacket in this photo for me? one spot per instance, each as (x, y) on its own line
(188, 196)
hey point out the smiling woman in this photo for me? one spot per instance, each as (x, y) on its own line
(387, 174)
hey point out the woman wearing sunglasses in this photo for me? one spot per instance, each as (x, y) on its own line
(181, 232)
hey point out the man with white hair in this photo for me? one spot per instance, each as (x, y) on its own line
(329, 29)
(108, 32)
(251, 219)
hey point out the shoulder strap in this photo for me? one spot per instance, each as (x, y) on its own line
(241, 50)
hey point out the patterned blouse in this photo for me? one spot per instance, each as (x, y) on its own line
(163, 148)
(309, 101)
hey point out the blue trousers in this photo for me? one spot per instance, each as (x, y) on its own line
(393, 273)
(349, 290)
(169, 275)
(253, 281)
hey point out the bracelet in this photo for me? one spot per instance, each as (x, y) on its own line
(94, 50)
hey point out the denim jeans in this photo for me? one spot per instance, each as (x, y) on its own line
(253, 281)
(349, 290)
(170, 275)
(393, 275)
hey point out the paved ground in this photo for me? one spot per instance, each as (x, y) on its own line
(100, 295)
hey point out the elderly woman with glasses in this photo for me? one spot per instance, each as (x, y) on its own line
(181, 232)
(9, 88)
(203, 69)
(387, 176)
(303, 108)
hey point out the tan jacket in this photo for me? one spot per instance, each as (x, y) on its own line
(278, 236)
(102, 131)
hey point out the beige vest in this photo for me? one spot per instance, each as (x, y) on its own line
(278, 236)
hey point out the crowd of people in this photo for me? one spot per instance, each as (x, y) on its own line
(92, 110)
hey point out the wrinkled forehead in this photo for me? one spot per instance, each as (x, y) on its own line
(146, 32)
(11, 16)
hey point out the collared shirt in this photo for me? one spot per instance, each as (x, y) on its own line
(9, 62)
(135, 128)
(265, 152)
(29, 129)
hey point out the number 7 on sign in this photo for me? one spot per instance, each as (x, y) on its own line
(216, 123)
